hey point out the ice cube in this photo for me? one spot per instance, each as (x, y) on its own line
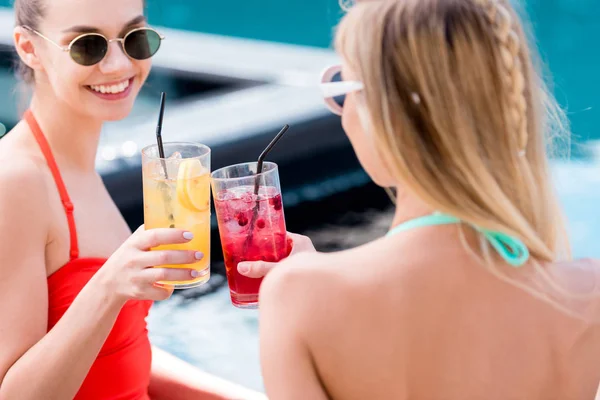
(173, 163)
(248, 197)
(152, 169)
(238, 206)
(232, 227)
(225, 195)
(266, 192)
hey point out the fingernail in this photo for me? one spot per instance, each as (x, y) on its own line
(199, 255)
(243, 268)
(188, 235)
(195, 273)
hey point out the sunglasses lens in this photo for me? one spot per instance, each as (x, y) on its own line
(142, 44)
(89, 50)
(339, 100)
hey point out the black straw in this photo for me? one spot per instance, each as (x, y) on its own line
(161, 149)
(266, 151)
(161, 154)
(259, 167)
(261, 158)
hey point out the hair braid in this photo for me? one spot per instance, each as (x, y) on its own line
(510, 51)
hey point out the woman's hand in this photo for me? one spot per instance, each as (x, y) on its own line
(129, 272)
(258, 269)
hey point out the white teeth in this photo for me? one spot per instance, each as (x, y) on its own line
(114, 89)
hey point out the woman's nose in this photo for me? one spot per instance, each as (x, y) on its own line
(115, 61)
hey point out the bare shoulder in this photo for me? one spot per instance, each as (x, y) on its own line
(23, 196)
(310, 272)
(299, 287)
(309, 283)
(22, 162)
(297, 274)
(23, 178)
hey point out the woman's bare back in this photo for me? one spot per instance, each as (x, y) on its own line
(417, 317)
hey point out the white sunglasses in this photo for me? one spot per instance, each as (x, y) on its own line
(335, 89)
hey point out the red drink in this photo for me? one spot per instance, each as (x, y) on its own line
(249, 233)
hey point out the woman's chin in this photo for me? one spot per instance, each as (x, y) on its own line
(116, 116)
(109, 107)
(110, 114)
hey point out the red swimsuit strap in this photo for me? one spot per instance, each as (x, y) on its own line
(60, 185)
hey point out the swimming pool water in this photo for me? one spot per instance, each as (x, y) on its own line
(567, 32)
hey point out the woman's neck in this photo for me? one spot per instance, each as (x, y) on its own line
(408, 207)
(73, 137)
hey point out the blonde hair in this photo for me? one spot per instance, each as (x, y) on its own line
(459, 113)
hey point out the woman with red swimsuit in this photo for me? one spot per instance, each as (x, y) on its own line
(75, 284)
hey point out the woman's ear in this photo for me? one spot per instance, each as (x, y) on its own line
(26, 48)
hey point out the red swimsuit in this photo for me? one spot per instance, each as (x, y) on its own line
(122, 369)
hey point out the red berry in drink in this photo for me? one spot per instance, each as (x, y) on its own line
(269, 241)
(241, 219)
(275, 202)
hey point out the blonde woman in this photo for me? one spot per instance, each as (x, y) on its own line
(471, 295)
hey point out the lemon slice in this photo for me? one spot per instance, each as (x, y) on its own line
(193, 185)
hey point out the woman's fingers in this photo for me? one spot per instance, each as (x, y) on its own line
(148, 239)
(255, 269)
(300, 243)
(258, 269)
(169, 257)
(153, 275)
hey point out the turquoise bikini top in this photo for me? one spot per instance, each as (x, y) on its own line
(510, 248)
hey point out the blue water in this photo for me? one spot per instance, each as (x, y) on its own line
(567, 32)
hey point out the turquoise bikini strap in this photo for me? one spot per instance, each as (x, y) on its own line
(427, 220)
(511, 249)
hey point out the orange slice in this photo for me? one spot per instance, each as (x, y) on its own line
(193, 185)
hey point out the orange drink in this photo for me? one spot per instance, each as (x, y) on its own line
(177, 195)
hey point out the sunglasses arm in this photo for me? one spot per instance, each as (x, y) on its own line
(27, 28)
(333, 89)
